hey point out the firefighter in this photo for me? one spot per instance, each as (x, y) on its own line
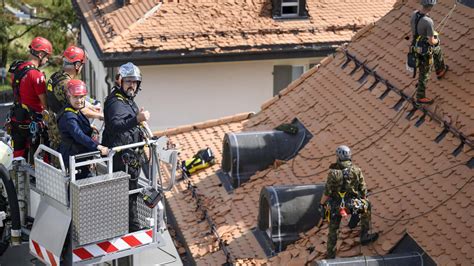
(29, 91)
(75, 128)
(426, 44)
(73, 60)
(345, 194)
(122, 118)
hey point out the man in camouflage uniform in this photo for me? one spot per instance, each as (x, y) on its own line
(346, 192)
(73, 60)
(427, 47)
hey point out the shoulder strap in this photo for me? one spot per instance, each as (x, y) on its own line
(56, 78)
(69, 109)
(419, 16)
(18, 74)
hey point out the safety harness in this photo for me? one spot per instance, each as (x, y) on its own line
(419, 47)
(21, 114)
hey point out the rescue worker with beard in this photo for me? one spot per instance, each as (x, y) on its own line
(122, 118)
(75, 128)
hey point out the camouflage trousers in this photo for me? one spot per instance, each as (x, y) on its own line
(424, 69)
(54, 136)
(335, 222)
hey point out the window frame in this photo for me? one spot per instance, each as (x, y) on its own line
(296, 3)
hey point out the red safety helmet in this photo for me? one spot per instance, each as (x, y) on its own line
(76, 87)
(40, 44)
(74, 54)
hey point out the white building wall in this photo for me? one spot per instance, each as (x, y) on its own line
(183, 94)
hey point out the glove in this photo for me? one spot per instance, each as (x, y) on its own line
(436, 36)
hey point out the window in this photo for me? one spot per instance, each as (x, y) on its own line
(88, 75)
(283, 75)
(111, 77)
(284, 9)
(289, 8)
(92, 87)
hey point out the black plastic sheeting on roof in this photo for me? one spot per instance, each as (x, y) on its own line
(405, 259)
(408, 244)
(245, 153)
(469, 3)
(287, 211)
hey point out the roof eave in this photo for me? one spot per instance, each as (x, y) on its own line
(204, 56)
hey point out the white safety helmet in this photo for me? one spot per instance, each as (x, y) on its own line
(129, 70)
(343, 153)
(428, 2)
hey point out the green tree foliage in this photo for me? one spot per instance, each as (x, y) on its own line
(55, 20)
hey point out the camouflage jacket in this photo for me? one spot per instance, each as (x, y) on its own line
(354, 184)
(56, 91)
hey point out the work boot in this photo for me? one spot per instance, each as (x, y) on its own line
(366, 238)
(424, 100)
(440, 74)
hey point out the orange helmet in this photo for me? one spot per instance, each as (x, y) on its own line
(76, 87)
(74, 54)
(40, 44)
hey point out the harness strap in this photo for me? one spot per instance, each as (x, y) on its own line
(69, 109)
(18, 74)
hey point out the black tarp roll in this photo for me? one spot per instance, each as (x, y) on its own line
(406, 259)
(245, 153)
(287, 211)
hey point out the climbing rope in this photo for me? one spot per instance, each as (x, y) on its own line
(444, 21)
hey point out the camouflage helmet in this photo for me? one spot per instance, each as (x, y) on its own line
(343, 153)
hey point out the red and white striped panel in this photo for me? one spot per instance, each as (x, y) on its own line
(43, 254)
(111, 246)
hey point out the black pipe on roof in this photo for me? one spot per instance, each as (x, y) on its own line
(245, 153)
(406, 259)
(287, 211)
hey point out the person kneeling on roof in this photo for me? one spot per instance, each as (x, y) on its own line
(346, 193)
(75, 128)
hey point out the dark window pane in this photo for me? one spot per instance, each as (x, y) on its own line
(290, 10)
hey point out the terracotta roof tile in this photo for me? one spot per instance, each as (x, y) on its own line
(433, 188)
(189, 25)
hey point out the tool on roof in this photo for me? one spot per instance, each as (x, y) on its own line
(204, 158)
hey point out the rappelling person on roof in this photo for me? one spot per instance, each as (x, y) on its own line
(75, 128)
(122, 119)
(345, 194)
(25, 121)
(74, 59)
(425, 49)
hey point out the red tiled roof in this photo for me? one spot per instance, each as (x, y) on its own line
(424, 190)
(214, 26)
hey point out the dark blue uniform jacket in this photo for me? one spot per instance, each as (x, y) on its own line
(76, 132)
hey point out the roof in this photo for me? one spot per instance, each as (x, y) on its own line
(419, 187)
(163, 29)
